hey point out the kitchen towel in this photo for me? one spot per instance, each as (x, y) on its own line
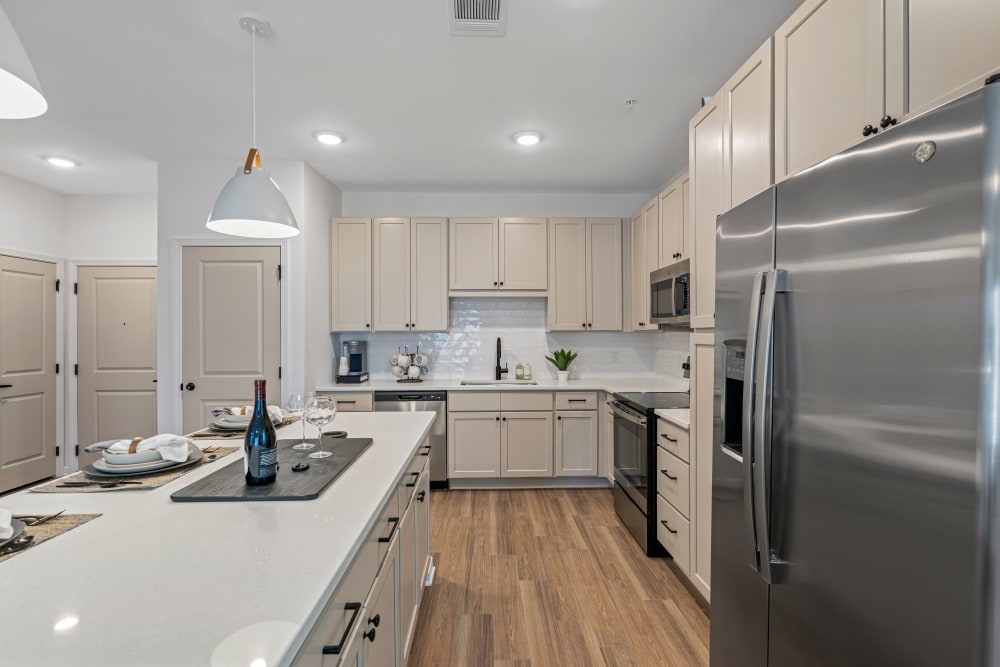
(273, 410)
(171, 447)
(6, 530)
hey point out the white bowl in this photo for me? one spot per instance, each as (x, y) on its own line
(124, 458)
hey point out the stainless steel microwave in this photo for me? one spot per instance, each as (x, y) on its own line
(670, 294)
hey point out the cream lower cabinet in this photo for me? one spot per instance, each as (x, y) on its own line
(585, 274)
(473, 444)
(414, 559)
(576, 443)
(350, 274)
(381, 632)
(410, 274)
(608, 439)
(498, 254)
(350, 401)
(526, 444)
(700, 448)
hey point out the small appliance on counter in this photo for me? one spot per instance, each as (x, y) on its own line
(353, 367)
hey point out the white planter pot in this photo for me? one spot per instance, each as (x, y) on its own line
(562, 377)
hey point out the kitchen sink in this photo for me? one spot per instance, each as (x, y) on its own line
(473, 383)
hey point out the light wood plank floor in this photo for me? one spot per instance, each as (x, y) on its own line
(540, 578)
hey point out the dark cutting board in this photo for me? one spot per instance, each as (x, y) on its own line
(229, 484)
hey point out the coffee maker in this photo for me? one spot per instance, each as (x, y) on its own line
(355, 354)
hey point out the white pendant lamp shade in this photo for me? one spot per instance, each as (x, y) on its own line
(20, 93)
(251, 205)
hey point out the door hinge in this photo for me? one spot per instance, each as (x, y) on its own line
(57, 369)
(57, 289)
(76, 288)
(76, 369)
(77, 450)
(279, 271)
(279, 372)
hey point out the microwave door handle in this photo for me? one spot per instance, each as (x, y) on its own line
(749, 374)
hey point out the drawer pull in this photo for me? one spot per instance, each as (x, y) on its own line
(577, 400)
(668, 438)
(410, 485)
(425, 453)
(667, 526)
(355, 609)
(668, 475)
(347, 402)
(394, 520)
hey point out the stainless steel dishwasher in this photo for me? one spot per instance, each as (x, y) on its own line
(424, 401)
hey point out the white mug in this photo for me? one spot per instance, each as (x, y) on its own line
(413, 371)
(420, 359)
(393, 359)
(403, 361)
(397, 371)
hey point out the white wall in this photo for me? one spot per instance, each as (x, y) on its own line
(31, 218)
(111, 227)
(323, 201)
(491, 204)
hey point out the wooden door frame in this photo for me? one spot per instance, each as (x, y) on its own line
(71, 460)
(170, 359)
(61, 349)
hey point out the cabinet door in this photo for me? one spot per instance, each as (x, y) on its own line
(747, 103)
(829, 69)
(391, 274)
(604, 274)
(651, 222)
(936, 51)
(671, 215)
(639, 278)
(407, 595)
(526, 444)
(707, 174)
(473, 444)
(576, 443)
(473, 253)
(381, 644)
(524, 254)
(429, 274)
(567, 306)
(701, 434)
(609, 443)
(685, 218)
(350, 274)
(422, 528)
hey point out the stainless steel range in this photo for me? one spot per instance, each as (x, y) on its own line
(635, 460)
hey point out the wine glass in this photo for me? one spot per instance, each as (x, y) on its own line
(298, 405)
(322, 412)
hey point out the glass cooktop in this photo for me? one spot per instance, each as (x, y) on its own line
(647, 401)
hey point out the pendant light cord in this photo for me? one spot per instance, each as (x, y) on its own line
(253, 85)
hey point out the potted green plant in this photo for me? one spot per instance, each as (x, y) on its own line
(561, 359)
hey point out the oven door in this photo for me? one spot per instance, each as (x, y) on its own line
(631, 454)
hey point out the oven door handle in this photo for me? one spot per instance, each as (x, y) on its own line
(626, 414)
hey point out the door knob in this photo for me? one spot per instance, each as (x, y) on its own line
(189, 386)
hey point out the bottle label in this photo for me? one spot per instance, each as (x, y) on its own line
(262, 462)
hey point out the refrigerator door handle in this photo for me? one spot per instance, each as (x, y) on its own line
(774, 282)
(749, 384)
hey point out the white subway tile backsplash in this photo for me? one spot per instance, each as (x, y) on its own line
(468, 350)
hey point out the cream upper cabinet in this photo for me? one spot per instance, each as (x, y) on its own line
(645, 258)
(651, 222)
(829, 71)
(585, 274)
(350, 274)
(937, 50)
(702, 406)
(673, 221)
(523, 254)
(410, 282)
(747, 145)
(498, 254)
(707, 173)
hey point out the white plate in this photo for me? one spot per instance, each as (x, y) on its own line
(237, 419)
(103, 466)
(124, 458)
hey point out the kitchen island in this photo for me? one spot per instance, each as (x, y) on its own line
(154, 582)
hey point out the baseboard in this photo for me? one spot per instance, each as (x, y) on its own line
(531, 483)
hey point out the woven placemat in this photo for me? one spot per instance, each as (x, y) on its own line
(212, 434)
(51, 528)
(151, 481)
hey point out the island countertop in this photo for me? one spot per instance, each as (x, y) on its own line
(154, 582)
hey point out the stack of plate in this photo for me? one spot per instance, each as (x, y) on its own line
(140, 463)
(18, 527)
(233, 423)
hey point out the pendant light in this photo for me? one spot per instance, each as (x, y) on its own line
(20, 94)
(250, 204)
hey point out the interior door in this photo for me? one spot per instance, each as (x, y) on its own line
(27, 371)
(116, 354)
(231, 328)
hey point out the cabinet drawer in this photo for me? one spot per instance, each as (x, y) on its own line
(673, 480)
(473, 401)
(674, 532)
(385, 527)
(674, 439)
(350, 401)
(576, 400)
(523, 401)
(408, 484)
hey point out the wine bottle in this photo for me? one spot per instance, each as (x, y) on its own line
(260, 458)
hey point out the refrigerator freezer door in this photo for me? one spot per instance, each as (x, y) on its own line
(744, 248)
(876, 371)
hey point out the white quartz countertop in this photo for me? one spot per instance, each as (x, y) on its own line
(679, 416)
(154, 582)
(608, 384)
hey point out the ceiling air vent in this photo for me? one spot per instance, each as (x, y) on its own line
(487, 18)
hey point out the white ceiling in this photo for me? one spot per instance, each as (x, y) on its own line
(131, 83)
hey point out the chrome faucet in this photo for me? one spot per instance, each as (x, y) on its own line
(500, 370)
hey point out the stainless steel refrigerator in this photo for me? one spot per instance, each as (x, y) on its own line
(857, 410)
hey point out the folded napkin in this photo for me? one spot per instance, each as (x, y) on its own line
(171, 447)
(273, 410)
(6, 530)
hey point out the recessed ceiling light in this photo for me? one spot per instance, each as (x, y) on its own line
(328, 138)
(528, 138)
(66, 623)
(63, 162)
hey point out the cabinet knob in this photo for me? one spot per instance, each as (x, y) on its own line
(642, 324)
(590, 324)
(504, 418)
(421, 496)
(495, 283)
(498, 419)
(869, 130)
(887, 121)
(368, 326)
(375, 620)
(559, 417)
(501, 283)
(584, 325)
(412, 325)
(370, 635)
